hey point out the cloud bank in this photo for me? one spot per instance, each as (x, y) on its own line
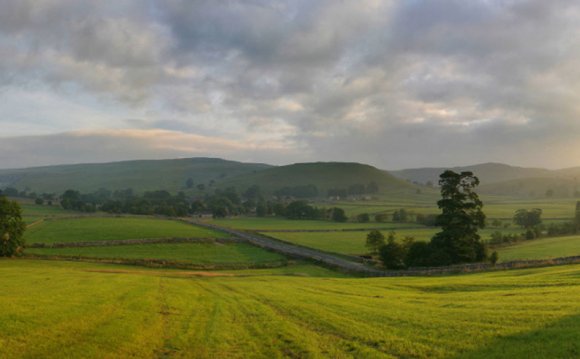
(391, 83)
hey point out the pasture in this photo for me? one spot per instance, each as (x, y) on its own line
(59, 309)
(113, 228)
(353, 243)
(542, 248)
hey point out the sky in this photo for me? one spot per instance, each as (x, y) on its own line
(395, 84)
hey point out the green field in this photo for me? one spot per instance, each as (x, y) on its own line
(192, 253)
(542, 248)
(33, 212)
(57, 309)
(353, 243)
(112, 228)
(280, 224)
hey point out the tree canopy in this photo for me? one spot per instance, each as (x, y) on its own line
(11, 228)
(460, 219)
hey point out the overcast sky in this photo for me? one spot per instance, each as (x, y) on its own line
(395, 84)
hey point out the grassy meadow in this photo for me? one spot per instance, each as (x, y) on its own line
(113, 228)
(542, 248)
(94, 311)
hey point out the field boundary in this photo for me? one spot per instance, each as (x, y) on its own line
(136, 241)
(160, 263)
(333, 230)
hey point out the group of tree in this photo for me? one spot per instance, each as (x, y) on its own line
(458, 241)
(39, 198)
(221, 203)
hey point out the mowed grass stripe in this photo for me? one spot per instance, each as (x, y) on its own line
(193, 253)
(113, 228)
(523, 313)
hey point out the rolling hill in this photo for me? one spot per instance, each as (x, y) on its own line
(323, 175)
(487, 173)
(142, 175)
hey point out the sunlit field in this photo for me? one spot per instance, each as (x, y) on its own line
(542, 248)
(111, 228)
(94, 311)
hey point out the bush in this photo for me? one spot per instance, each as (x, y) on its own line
(493, 258)
(381, 217)
(375, 240)
(338, 215)
(11, 228)
(393, 254)
(363, 218)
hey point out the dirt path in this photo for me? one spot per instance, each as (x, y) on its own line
(296, 251)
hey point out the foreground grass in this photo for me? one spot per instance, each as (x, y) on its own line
(112, 228)
(542, 248)
(193, 253)
(55, 310)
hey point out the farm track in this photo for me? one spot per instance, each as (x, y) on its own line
(296, 251)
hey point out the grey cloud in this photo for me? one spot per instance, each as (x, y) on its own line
(383, 81)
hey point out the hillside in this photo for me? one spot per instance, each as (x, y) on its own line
(143, 175)
(323, 175)
(535, 187)
(487, 173)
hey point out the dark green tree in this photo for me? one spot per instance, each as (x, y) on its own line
(393, 254)
(338, 215)
(11, 228)
(528, 219)
(363, 218)
(460, 219)
(375, 240)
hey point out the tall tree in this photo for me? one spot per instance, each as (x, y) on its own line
(11, 228)
(460, 219)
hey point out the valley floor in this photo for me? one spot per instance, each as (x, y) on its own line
(55, 309)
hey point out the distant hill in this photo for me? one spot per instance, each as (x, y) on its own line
(535, 187)
(487, 173)
(142, 176)
(323, 175)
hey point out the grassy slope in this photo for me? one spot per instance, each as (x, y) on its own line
(146, 175)
(56, 310)
(324, 175)
(542, 248)
(111, 228)
(533, 187)
(191, 253)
